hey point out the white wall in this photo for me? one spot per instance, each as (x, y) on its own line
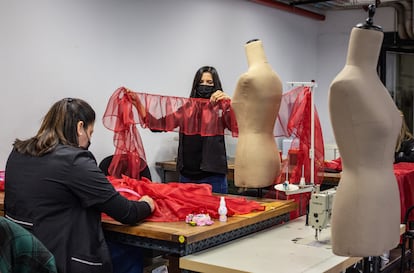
(52, 49)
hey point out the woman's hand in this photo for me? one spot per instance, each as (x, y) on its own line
(133, 98)
(149, 201)
(219, 95)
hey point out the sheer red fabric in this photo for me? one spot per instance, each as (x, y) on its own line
(174, 201)
(163, 113)
(190, 116)
(129, 157)
(294, 121)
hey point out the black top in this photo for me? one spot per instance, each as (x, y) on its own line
(106, 162)
(59, 197)
(200, 157)
(406, 152)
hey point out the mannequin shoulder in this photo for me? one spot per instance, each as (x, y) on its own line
(346, 82)
(244, 79)
(254, 75)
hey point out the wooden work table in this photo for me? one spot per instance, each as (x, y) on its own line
(183, 239)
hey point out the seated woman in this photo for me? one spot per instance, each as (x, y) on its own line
(62, 202)
(404, 150)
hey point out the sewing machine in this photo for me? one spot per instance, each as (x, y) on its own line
(320, 209)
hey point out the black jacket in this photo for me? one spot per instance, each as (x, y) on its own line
(406, 152)
(200, 157)
(59, 197)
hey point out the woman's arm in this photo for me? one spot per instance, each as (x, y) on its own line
(127, 211)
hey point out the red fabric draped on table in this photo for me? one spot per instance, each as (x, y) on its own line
(174, 201)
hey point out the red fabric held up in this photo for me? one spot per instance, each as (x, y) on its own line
(163, 113)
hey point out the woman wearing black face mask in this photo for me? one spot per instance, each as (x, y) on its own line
(200, 159)
(56, 190)
(203, 159)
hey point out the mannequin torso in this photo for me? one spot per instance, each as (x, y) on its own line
(256, 103)
(366, 123)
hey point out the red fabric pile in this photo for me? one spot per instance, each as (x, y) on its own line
(174, 201)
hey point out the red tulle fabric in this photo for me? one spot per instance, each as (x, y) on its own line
(294, 121)
(199, 116)
(174, 201)
(163, 113)
(129, 157)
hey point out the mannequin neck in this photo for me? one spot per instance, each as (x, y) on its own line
(255, 53)
(364, 47)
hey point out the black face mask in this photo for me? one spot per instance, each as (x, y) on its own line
(204, 91)
(88, 144)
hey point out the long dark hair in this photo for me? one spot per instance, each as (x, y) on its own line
(405, 133)
(58, 126)
(199, 74)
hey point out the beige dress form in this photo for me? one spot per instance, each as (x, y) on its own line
(366, 124)
(256, 104)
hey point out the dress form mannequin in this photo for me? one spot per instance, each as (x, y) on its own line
(366, 123)
(256, 103)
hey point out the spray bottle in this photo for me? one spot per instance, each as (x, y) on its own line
(222, 210)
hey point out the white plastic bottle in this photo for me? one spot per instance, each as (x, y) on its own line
(222, 210)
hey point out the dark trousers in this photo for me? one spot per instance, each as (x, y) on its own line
(218, 182)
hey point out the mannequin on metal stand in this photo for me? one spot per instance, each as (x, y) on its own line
(366, 123)
(256, 104)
